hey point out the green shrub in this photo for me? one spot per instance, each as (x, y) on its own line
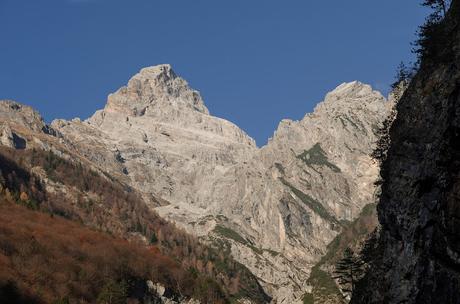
(153, 238)
(113, 293)
(230, 234)
(311, 203)
(317, 156)
(308, 299)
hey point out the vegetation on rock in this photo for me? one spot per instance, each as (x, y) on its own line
(348, 270)
(354, 236)
(316, 156)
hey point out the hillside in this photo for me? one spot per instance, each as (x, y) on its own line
(323, 288)
(43, 181)
(49, 259)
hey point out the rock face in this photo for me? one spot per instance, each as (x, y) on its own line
(275, 208)
(419, 210)
(22, 117)
(157, 131)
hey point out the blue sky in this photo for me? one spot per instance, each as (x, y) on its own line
(254, 61)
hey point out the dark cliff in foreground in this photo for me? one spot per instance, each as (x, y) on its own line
(418, 254)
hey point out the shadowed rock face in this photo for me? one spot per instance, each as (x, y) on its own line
(419, 210)
(275, 208)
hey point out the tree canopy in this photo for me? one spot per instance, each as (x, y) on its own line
(348, 271)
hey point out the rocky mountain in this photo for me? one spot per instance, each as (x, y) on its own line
(417, 255)
(275, 208)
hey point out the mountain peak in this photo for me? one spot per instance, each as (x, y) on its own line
(155, 88)
(156, 71)
(352, 90)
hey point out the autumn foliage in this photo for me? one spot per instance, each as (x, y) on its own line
(52, 259)
(156, 249)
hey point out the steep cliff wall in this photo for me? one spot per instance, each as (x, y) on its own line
(418, 257)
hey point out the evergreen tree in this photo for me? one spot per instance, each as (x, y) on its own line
(153, 238)
(432, 34)
(113, 293)
(348, 271)
(404, 75)
(439, 6)
(370, 247)
(383, 143)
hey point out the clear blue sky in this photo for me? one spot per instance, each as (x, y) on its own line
(254, 61)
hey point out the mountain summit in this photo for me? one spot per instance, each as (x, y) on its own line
(152, 89)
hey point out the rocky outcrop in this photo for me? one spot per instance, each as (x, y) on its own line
(15, 115)
(419, 247)
(158, 294)
(22, 115)
(274, 208)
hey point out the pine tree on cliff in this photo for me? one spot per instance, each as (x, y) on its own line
(348, 271)
(440, 6)
(404, 75)
(431, 33)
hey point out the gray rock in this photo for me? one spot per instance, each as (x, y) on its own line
(21, 115)
(276, 208)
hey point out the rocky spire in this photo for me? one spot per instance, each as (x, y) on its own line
(152, 89)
